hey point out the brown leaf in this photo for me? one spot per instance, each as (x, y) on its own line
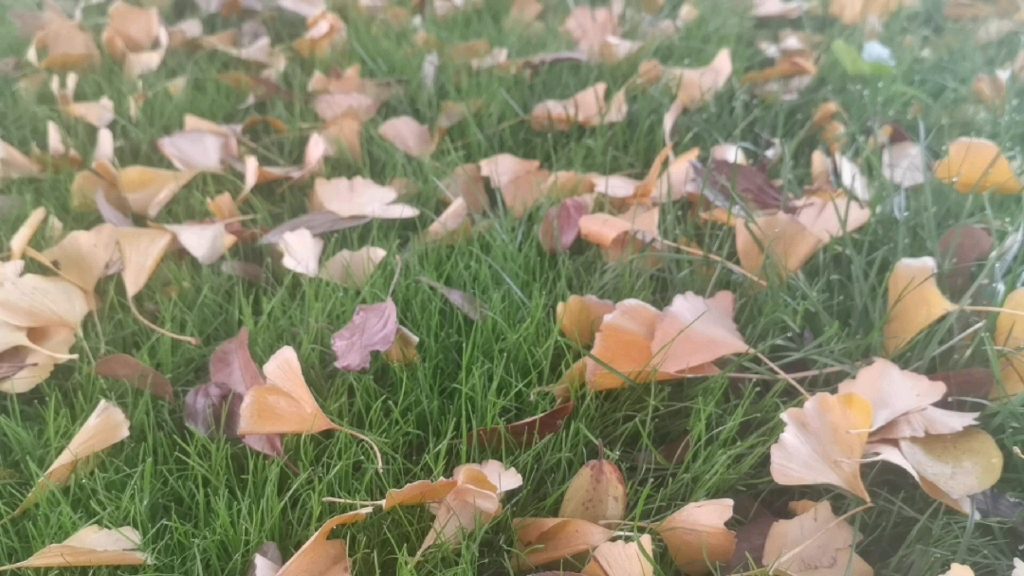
(467, 182)
(597, 493)
(960, 248)
(814, 543)
(403, 350)
(696, 536)
(467, 303)
(580, 317)
(284, 405)
(750, 540)
(524, 432)
(106, 426)
(212, 410)
(561, 225)
(544, 540)
(520, 181)
(373, 328)
(823, 442)
(126, 368)
(747, 182)
(90, 546)
(975, 383)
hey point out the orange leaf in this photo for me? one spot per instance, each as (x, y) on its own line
(544, 540)
(977, 165)
(284, 405)
(696, 536)
(915, 302)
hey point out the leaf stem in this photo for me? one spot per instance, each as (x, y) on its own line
(138, 316)
(716, 258)
(781, 373)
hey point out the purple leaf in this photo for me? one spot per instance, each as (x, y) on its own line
(205, 409)
(561, 225)
(372, 329)
(232, 364)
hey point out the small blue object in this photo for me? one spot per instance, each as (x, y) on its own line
(875, 52)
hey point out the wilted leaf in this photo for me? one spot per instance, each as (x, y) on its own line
(814, 543)
(622, 558)
(915, 302)
(891, 392)
(198, 150)
(301, 252)
(90, 546)
(960, 248)
(284, 405)
(409, 136)
(451, 224)
(960, 464)
(373, 328)
(585, 108)
(696, 536)
(106, 426)
(206, 241)
(467, 303)
(977, 165)
(467, 182)
(141, 252)
(320, 556)
(580, 317)
(561, 224)
(524, 432)
(694, 86)
(126, 368)
(904, 164)
(750, 184)
(969, 383)
(590, 27)
(31, 301)
(779, 238)
(694, 331)
(403, 350)
(352, 269)
(823, 442)
(544, 540)
(14, 164)
(358, 197)
(596, 493)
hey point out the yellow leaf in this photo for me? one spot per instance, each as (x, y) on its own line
(284, 405)
(596, 493)
(696, 536)
(141, 252)
(544, 540)
(915, 302)
(960, 464)
(90, 546)
(815, 542)
(579, 317)
(320, 556)
(781, 238)
(977, 165)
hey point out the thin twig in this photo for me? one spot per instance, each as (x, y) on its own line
(781, 373)
(331, 500)
(994, 309)
(373, 446)
(804, 374)
(716, 258)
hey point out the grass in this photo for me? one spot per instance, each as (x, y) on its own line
(204, 506)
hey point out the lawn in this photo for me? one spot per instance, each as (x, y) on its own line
(203, 506)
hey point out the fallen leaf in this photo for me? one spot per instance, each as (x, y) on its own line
(892, 392)
(325, 32)
(590, 27)
(467, 182)
(320, 556)
(959, 464)
(128, 369)
(814, 543)
(750, 539)
(284, 405)
(409, 136)
(622, 558)
(977, 165)
(694, 331)
(198, 150)
(83, 256)
(207, 242)
(830, 216)
(544, 540)
(524, 432)
(23, 235)
(301, 252)
(68, 46)
(779, 238)
(106, 426)
(623, 343)
(358, 197)
(520, 181)
(266, 561)
(403, 350)
(696, 536)
(14, 164)
(960, 248)
(561, 225)
(904, 164)
(135, 37)
(141, 251)
(823, 442)
(451, 224)
(744, 183)
(579, 317)
(585, 108)
(597, 493)
(90, 546)
(30, 301)
(963, 570)
(764, 9)
(466, 303)
(694, 86)
(318, 222)
(915, 302)
(352, 269)
(968, 383)
(373, 327)
(419, 492)
(26, 366)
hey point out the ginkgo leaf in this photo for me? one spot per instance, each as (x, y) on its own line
(128, 369)
(580, 317)
(544, 540)
(467, 182)
(373, 328)
(409, 136)
(814, 543)
(90, 546)
(135, 37)
(463, 509)
(500, 479)
(301, 252)
(891, 391)
(325, 31)
(403, 349)
(419, 492)
(453, 223)
(823, 442)
(284, 405)
(696, 536)
(915, 302)
(831, 216)
(694, 86)
(359, 197)
(621, 558)
(28, 366)
(586, 108)
(141, 251)
(596, 493)
(1009, 334)
(14, 164)
(83, 255)
(23, 235)
(779, 238)
(352, 269)
(960, 464)
(106, 426)
(196, 150)
(623, 343)
(977, 165)
(206, 241)
(904, 164)
(890, 452)
(148, 190)
(590, 27)
(561, 225)
(964, 570)
(960, 248)
(520, 181)
(524, 432)
(320, 556)
(36, 301)
(694, 331)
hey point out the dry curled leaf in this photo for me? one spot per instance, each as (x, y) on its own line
(580, 317)
(301, 252)
(915, 302)
(596, 493)
(284, 405)
(357, 197)
(409, 136)
(780, 238)
(90, 546)
(815, 543)
(561, 225)
(586, 108)
(207, 242)
(320, 556)
(524, 432)
(960, 248)
(960, 464)
(621, 558)
(373, 328)
(823, 442)
(128, 369)
(106, 426)
(541, 541)
(696, 536)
